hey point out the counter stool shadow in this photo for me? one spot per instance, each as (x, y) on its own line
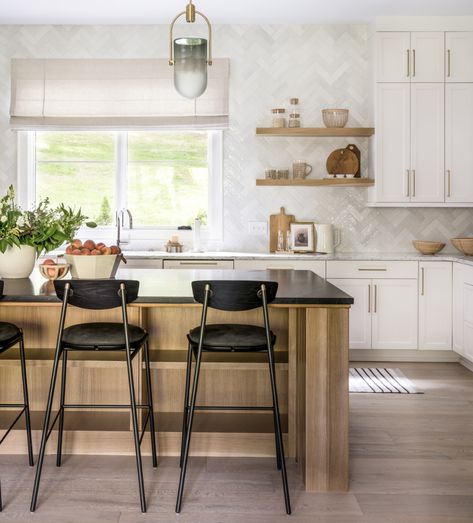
(230, 295)
(10, 335)
(130, 339)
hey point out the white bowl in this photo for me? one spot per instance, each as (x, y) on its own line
(93, 267)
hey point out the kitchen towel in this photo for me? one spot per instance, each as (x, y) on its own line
(380, 380)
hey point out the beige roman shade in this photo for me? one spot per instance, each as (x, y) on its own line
(112, 94)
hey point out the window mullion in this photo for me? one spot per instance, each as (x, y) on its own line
(121, 170)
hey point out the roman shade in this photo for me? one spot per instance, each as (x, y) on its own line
(63, 93)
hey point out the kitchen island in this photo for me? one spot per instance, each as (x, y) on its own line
(309, 318)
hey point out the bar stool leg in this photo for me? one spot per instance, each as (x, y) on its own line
(61, 407)
(44, 436)
(189, 431)
(185, 417)
(26, 401)
(149, 391)
(136, 436)
(280, 447)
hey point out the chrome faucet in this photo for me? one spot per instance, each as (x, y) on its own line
(120, 222)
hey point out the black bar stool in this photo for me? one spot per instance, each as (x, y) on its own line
(10, 335)
(230, 295)
(99, 294)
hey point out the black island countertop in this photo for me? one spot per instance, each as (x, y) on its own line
(174, 286)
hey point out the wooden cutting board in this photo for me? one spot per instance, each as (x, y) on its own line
(344, 161)
(279, 222)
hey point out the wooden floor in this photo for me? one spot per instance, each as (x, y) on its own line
(411, 462)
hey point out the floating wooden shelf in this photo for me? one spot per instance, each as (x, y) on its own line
(312, 182)
(315, 131)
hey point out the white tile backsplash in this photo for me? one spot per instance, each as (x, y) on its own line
(325, 66)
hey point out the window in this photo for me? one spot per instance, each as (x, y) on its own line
(165, 178)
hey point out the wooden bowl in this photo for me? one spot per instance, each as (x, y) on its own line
(464, 245)
(426, 247)
(54, 272)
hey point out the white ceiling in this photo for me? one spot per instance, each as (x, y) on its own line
(222, 11)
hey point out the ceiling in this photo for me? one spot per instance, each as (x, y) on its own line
(222, 11)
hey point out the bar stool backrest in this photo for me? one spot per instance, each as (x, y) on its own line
(234, 295)
(97, 294)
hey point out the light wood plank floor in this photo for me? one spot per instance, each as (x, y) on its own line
(411, 462)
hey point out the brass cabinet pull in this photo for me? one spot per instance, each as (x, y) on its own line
(369, 297)
(449, 182)
(422, 281)
(413, 62)
(413, 183)
(448, 62)
(408, 64)
(375, 298)
(408, 183)
(200, 262)
(371, 269)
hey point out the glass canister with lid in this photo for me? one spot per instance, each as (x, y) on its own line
(294, 115)
(278, 117)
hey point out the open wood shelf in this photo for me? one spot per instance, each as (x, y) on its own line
(313, 182)
(315, 131)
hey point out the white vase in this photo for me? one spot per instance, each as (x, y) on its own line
(17, 262)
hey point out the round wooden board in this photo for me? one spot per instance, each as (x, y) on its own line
(342, 161)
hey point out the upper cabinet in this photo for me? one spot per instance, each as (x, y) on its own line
(423, 119)
(459, 56)
(410, 57)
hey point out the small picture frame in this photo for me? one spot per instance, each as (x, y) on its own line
(302, 237)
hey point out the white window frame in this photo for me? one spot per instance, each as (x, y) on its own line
(26, 188)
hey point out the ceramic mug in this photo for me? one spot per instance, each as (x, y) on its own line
(301, 169)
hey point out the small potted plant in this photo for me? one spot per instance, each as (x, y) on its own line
(24, 235)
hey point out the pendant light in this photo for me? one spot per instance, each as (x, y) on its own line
(190, 57)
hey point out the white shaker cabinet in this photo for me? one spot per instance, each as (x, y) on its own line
(427, 177)
(393, 56)
(392, 142)
(458, 56)
(435, 305)
(458, 142)
(394, 316)
(410, 142)
(410, 57)
(427, 56)
(458, 278)
(360, 311)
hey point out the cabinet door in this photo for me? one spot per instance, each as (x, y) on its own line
(394, 316)
(427, 143)
(435, 305)
(458, 142)
(360, 315)
(427, 56)
(392, 142)
(458, 308)
(393, 57)
(458, 56)
(468, 321)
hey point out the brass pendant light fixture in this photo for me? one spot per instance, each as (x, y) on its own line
(190, 56)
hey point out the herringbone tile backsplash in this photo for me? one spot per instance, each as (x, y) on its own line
(325, 66)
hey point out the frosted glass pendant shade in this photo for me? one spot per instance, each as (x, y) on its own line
(190, 66)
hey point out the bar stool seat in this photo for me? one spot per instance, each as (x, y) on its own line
(9, 334)
(230, 337)
(106, 336)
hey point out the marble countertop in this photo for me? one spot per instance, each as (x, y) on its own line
(342, 256)
(174, 286)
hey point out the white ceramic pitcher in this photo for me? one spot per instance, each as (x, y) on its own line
(327, 238)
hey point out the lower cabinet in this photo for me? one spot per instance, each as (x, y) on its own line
(384, 315)
(435, 305)
(463, 311)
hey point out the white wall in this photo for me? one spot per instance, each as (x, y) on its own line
(325, 66)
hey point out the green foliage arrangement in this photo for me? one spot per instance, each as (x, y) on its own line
(45, 228)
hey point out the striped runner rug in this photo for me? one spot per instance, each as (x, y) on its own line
(379, 380)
